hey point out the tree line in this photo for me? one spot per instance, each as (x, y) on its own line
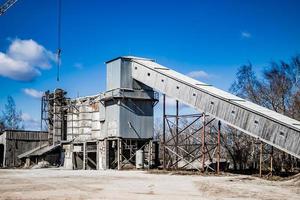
(278, 89)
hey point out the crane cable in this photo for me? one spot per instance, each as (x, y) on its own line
(58, 52)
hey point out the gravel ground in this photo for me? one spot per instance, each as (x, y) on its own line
(109, 184)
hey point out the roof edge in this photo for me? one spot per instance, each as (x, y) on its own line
(129, 58)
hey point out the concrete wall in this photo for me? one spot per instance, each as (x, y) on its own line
(83, 118)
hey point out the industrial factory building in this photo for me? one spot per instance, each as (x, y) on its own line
(114, 129)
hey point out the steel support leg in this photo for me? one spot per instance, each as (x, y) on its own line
(260, 159)
(176, 138)
(219, 135)
(271, 162)
(164, 131)
(203, 143)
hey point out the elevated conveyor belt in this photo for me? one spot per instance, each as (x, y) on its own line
(270, 127)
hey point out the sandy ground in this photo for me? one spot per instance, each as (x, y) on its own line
(68, 184)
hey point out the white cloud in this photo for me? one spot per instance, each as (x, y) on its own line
(29, 122)
(78, 65)
(170, 102)
(198, 74)
(24, 60)
(246, 34)
(33, 93)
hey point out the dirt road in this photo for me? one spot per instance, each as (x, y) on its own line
(67, 184)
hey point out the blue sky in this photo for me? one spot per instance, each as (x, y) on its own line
(208, 40)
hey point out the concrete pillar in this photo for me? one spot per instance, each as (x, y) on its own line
(119, 146)
(102, 155)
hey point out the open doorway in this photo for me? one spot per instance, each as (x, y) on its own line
(1, 155)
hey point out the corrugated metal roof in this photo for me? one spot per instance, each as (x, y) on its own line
(38, 151)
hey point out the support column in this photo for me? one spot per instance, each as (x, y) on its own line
(203, 143)
(219, 135)
(176, 138)
(271, 161)
(150, 154)
(260, 159)
(84, 156)
(97, 155)
(164, 131)
(119, 142)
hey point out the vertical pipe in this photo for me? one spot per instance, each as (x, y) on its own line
(260, 159)
(203, 142)
(271, 161)
(219, 135)
(164, 131)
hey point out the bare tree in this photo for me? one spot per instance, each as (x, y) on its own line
(11, 117)
(2, 127)
(278, 89)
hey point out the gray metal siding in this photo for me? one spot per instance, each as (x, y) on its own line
(136, 119)
(113, 77)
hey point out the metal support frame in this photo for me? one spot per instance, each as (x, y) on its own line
(191, 144)
(126, 151)
(265, 155)
(53, 114)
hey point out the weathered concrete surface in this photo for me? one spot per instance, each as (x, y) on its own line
(78, 184)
